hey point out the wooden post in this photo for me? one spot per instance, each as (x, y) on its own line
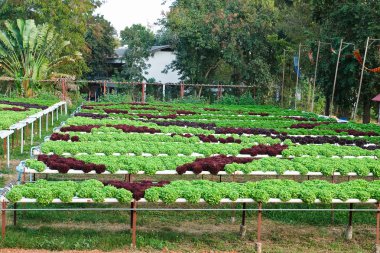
(142, 92)
(134, 223)
(182, 92)
(3, 219)
(336, 74)
(104, 88)
(259, 221)
(332, 205)
(243, 229)
(349, 227)
(219, 91)
(315, 77)
(361, 79)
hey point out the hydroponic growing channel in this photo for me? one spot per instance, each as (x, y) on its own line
(252, 142)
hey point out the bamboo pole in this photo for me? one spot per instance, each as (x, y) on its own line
(361, 79)
(335, 77)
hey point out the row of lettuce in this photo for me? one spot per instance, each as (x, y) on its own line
(116, 145)
(45, 192)
(193, 139)
(13, 110)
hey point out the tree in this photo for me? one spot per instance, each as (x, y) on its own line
(101, 42)
(30, 53)
(353, 21)
(69, 17)
(229, 35)
(139, 40)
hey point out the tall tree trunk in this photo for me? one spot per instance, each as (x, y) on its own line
(366, 109)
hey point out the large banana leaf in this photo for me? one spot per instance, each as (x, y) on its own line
(31, 52)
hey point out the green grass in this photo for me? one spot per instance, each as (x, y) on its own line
(186, 231)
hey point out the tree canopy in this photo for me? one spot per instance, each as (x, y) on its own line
(139, 41)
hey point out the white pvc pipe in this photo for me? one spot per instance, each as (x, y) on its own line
(40, 126)
(225, 200)
(32, 133)
(22, 140)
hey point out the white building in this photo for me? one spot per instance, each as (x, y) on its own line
(161, 56)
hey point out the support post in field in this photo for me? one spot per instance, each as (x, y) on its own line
(143, 84)
(259, 221)
(243, 228)
(348, 233)
(233, 215)
(182, 90)
(134, 223)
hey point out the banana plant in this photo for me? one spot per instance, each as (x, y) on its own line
(30, 52)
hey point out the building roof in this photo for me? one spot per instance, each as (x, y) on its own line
(120, 52)
(377, 98)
